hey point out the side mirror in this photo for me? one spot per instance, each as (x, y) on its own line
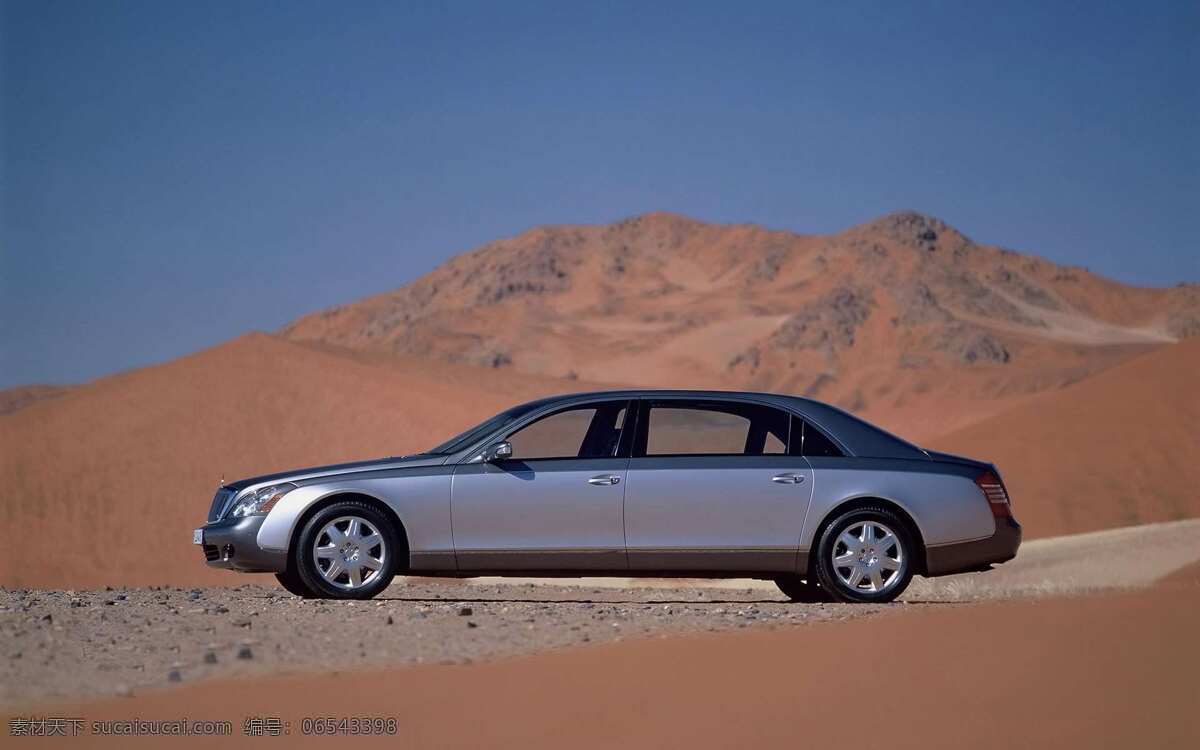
(498, 452)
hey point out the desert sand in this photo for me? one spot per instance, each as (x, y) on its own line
(75, 645)
(1082, 390)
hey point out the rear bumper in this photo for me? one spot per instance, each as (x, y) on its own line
(981, 554)
(233, 544)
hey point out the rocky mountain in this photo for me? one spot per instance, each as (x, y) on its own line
(1068, 380)
(875, 318)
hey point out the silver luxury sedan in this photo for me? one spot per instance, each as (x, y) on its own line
(630, 483)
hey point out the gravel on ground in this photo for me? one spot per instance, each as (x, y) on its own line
(74, 644)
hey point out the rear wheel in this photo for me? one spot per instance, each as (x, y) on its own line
(348, 550)
(865, 555)
(800, 590)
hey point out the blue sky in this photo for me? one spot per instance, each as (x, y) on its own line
(175, 174)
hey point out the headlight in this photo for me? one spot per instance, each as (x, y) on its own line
(251, 503)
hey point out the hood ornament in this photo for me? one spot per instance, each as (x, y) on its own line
(221, 482)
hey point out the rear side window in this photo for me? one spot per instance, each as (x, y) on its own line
(810, 441)
(591, 431)
(699, 428)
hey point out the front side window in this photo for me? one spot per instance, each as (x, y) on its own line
(591, 431)
(687, 428)
(478, 432)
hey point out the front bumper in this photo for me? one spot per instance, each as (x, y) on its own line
(981, 554)
(232, 543)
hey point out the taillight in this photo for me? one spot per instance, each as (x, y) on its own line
(997, 497)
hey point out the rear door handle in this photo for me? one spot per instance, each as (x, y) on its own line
(788, 478)
(605, 479)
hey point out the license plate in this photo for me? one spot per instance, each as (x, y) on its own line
(198, 536)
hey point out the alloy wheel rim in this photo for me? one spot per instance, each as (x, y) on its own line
(349, 552)
(868, 557)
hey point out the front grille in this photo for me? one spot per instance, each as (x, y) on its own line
(218, 504)
(211, 552)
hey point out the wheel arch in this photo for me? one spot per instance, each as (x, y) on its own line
(868, 501)
(337, 496)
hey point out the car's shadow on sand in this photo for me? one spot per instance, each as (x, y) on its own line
(535, 600)
(627, 602)
(527, 600)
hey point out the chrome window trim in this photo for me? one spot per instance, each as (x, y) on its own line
(472, 453)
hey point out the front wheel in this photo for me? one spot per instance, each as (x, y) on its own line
(348, 550)
(290, 580)
(865, 555)
(802, 591)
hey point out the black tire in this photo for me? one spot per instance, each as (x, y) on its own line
(290, 580)
(311, 576)
(802, 591)
(831, 581)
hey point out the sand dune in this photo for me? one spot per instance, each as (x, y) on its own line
(1117, 449)
(118, 472)
(15, 399)
(106, 481)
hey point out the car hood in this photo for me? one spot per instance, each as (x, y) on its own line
(354, 467)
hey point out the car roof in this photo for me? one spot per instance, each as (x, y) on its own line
(857, 435)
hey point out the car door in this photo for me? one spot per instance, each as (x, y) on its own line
(556, 503)
(711, 487)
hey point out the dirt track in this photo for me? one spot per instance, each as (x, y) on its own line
(1101, 671)
(59, 644)
(62, 645)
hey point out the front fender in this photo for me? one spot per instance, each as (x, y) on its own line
(420, 500)
(280, 524)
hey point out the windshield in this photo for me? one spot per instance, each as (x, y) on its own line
(480, 431)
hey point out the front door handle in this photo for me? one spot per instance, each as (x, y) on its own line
(788, 478)
(605, 479)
